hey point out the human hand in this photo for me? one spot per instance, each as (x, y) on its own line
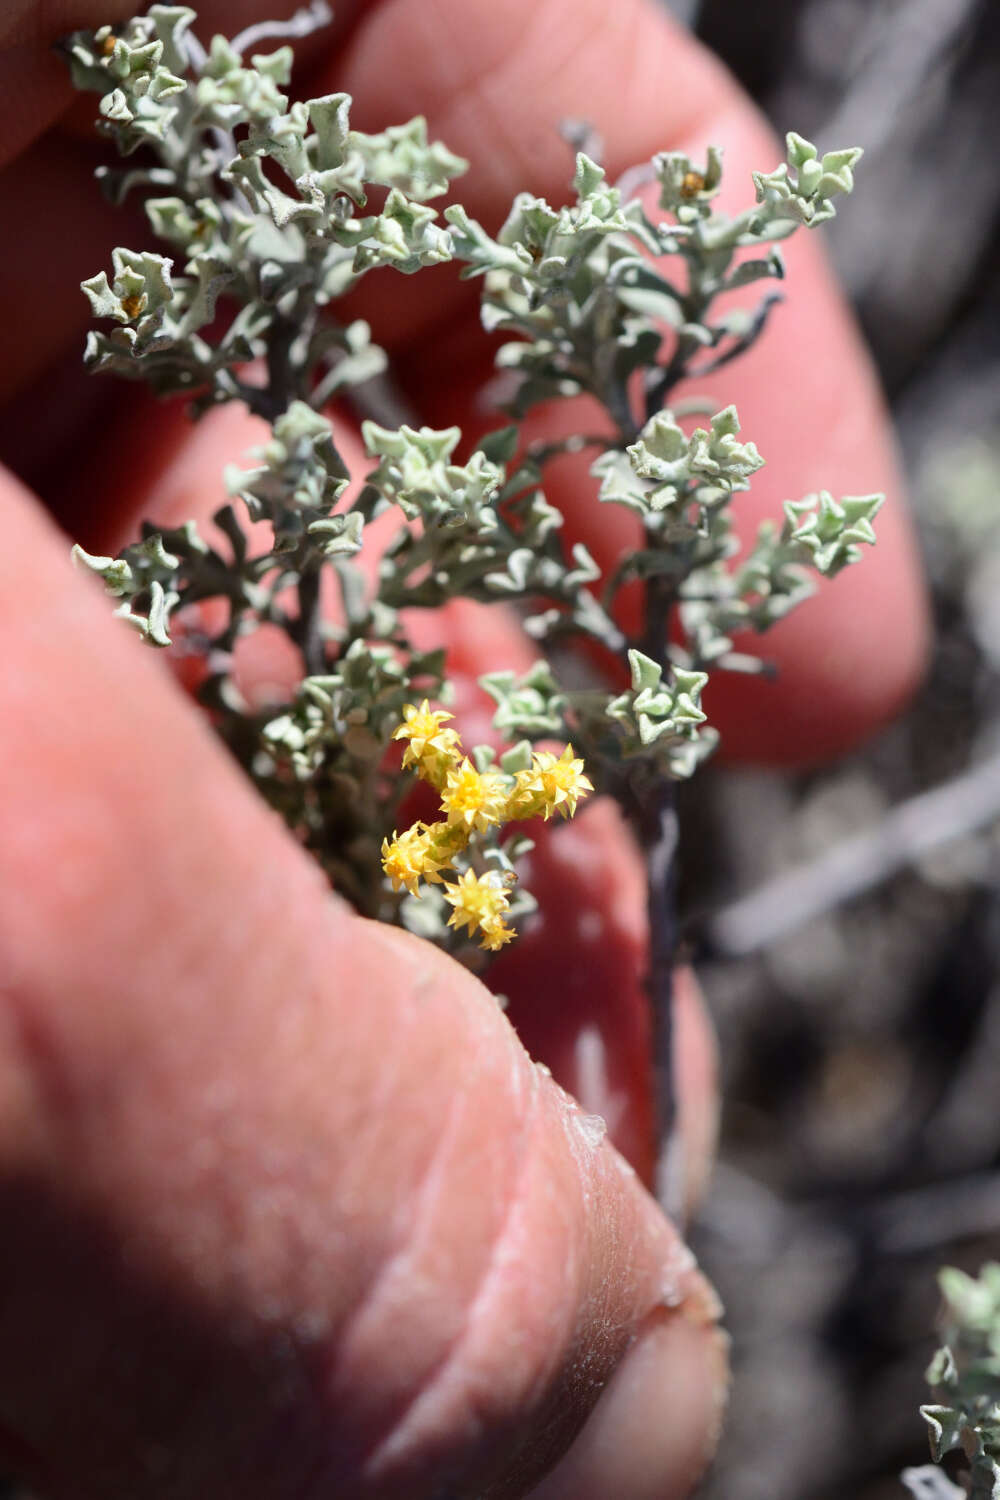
(290, 1207)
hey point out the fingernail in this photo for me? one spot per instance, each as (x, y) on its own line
(655, 1428)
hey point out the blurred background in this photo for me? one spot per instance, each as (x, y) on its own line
(848, 926)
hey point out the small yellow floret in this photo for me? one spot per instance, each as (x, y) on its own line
(478, 901)
(472, 802)
(431, 748)
(562, 780)
(410, 857)
(476, 800)
(494, 933)
(528, 799)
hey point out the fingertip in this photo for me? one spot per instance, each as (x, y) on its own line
(656, 1427)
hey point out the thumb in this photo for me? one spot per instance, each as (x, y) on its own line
(288, 1209)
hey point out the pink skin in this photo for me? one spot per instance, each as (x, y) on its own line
(293, 1212)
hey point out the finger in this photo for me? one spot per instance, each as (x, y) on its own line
(495, 83)
(279, 1184)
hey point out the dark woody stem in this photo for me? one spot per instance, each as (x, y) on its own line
(651, 806)
(308, 632)
(654, 819)
(649, 801)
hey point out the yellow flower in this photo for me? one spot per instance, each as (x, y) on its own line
(494, 933)
(403, 859)
(562, 781)
(409, 857)
(554, 783)
(528, 798)
(475, 800)
(431, 748)
(421, 853)
(479, 901)
(472, 802)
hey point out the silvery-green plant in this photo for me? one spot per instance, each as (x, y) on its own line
(964, 1377)
(265, 208)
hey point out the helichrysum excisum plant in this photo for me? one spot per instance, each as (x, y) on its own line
(270, 211)
(964, 1376)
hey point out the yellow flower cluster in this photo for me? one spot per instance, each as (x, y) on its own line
(472, 801)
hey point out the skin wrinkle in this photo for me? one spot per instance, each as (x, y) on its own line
(608, 1342)
(557, 47)
(473, 81)
(25, 1086)
(47, 1083)
(352, 1330)
(532, 1410)
(491, 1002)
(439, 56)
(393, 1061)
(519, 162)
(392, 1449)
(495, 121)
(247, 922)
(611, 1326)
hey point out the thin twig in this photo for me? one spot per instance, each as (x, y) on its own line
(540, 452)
(193, 51)
(696, 406)
(661, 877)
(858, 863)
(582, 135)
(928, 1218)
(650, 804)
(634, 179)
(303, 23)
(281, 381)
(383, 401)
(742, 344)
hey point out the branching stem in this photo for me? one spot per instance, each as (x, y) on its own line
(309, 627)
